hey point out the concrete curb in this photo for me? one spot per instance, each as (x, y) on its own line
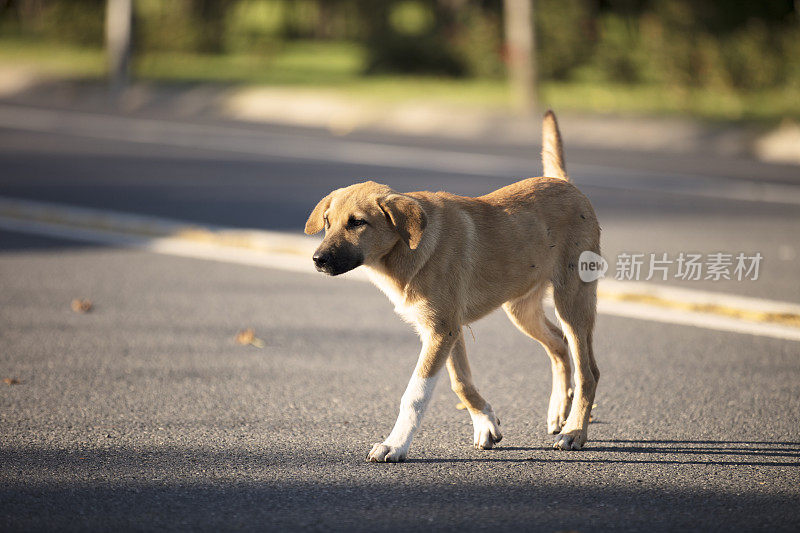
(341, 115)
(292, 252)
(155, 227)
(333, 111)
(696, 301)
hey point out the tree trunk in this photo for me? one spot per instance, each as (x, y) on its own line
(520, 48)
(119, 19)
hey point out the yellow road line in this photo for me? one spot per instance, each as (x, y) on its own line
(297, 246)
(750, 315)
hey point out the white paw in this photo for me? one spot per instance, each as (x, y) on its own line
(571, 440)
(556, 417)
(558, 411)
(486, 428)
(555, 424)
(384, 453)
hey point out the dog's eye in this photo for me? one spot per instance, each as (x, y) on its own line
(327, 224)
(355, 222)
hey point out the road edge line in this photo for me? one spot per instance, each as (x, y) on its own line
(288, 251)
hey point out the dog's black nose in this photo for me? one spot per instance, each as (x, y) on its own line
(320, 260)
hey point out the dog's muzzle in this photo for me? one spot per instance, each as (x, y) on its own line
(335, 263)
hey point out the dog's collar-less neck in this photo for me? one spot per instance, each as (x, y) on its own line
(404, 263)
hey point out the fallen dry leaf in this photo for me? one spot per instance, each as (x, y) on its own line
(248, 337)
(81, 305)
(460, 406)
(11, 381)
(245, 336)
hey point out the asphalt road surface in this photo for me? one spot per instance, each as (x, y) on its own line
(144, 414)
(248, 176)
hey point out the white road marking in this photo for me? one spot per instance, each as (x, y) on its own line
(700, 320)
(249, 141)
(294, 262)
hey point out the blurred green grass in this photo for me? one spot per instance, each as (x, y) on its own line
(51, 59)
(337, 68)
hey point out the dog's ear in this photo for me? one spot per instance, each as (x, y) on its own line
(316, 222)
(407, 217)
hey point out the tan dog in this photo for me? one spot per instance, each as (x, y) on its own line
(447, 260)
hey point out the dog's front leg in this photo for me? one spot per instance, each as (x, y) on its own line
(435, 350)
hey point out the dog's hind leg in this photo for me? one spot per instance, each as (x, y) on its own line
(576, 307)
(485, 423)
(527, 314)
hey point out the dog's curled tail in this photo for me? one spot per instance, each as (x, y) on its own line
(552, 151)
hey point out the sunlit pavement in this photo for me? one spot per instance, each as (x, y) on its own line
(145, 414)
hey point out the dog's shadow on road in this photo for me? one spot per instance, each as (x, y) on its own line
(689, 452)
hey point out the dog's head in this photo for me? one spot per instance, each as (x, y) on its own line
(362, 223)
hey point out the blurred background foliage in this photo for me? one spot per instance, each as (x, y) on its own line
(726, 47)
